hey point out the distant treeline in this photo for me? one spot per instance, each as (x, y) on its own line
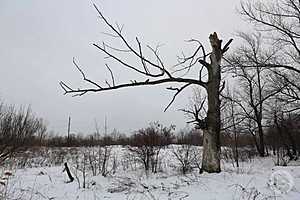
(21, 129)
(151, 135)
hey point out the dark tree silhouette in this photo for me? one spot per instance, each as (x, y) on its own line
(19, 129)
(278, 21)
(255, 88)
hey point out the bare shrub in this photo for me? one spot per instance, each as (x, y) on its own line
(246, 154)
(147, 143)
(80, 171)
(282, 159)
(18, 128)
(187, 155)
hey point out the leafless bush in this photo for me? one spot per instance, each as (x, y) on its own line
(227, 155)
(92, 162)
(147, 143)
(246, 154)
(18, 128)
(283, 134)
(98, 159)
(106, 155)
(250, 193)
(188, 157)
(282, 159)
(129, 162)
(81, 170)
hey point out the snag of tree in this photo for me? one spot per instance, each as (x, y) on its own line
(156, 73)
(68, 173)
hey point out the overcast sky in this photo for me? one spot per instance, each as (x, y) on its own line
(39, 39)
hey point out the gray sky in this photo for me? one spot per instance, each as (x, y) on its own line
(39, 38)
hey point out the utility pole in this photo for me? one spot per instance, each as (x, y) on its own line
(105, 126)
(69, 125)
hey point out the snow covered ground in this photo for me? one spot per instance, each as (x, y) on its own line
(252, 181)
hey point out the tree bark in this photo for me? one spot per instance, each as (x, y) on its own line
(261, 149)
(259, 114)
(211, 134)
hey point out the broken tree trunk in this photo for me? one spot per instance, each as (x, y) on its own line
(68, 173)
(211, 133)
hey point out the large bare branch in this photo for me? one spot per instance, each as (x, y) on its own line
(145, 66)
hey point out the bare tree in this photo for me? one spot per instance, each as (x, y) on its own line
(289, 85)
(231, 122)
(155, 73)
(279, 22)
(186, 155)
(18, 129)
(268, 65)
(249, 66)
(41, 132)
(282, 125)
